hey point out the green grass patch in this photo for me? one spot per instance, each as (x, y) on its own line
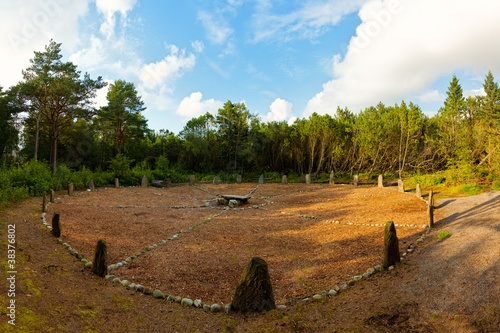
(443, 234)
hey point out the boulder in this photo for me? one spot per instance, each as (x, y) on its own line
(100, 262)
(56, 225)
(254, 292)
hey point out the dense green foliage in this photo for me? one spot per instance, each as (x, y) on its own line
(457, 146)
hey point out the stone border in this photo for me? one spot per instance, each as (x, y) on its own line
(227, 308)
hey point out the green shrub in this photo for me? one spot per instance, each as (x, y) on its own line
(33, 175)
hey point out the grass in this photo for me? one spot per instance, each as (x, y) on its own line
(443, 234)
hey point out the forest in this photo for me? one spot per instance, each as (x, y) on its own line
(51, 134)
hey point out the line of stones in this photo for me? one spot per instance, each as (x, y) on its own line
(216, 307)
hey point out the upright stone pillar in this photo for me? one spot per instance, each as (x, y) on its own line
(254, 292)
(238, 179)
(261, 179)
(44, 202)
(308, 178)
(391, 245)
(100, 263)
(380, 181)
(144, 182)
(191, 180)
(56, 225)
(52, 196)
(284, 179)
(70, 189)
(401, 186)
(332, 181)
(216, 180)
(117, 183)
(418, 191)
(355, 180)
(169, 182)
(91, 185)
(430, 209)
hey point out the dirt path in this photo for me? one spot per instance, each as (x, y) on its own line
(443, 286)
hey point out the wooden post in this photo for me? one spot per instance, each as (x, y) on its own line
(430, 209)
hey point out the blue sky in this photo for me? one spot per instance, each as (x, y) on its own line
(283, 59)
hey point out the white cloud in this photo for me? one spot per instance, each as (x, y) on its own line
(194, 106)
(403, 46)
(432, 96)
(313, 19)
(101, 96)
(217, 28)
(198, 46)
(29, 26)
(109, 8)
(279, 110)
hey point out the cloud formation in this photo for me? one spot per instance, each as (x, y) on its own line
(194, 106)
(403, 46)
(279, 110)
(109, 9)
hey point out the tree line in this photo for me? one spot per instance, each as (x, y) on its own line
(62, 127)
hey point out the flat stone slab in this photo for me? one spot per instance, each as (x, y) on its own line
(239, 198)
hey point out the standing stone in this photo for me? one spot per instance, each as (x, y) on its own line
(91, 185)
(191, 180)
(391, 245)
(284, 179)
(355, 180)
(430, 209)
(70, 189)
(117, 183)
(56, 225)
(169, 182)
(144, 182)
(216, 180)
(44, 202)
(238, 179)
(401, 186)
(380, 181)
(308, 178)
(254, 292)
(52, 196)
(418, 191)
(332, 181)
(100, 262)
(261, 179)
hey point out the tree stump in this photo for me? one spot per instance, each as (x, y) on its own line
(261, 179)
(254, 292)
(70, 189)
(380, 181)
(91, 185)
(355, 180)
(144, 182)
(391, 245)
(117, 183)
(332, 182)
(418, 191)
(308, 178)
(284, 179)
(430, 209)
(401, 186)
(100, 263)
(56, 225)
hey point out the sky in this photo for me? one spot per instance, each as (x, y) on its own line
(284, 59)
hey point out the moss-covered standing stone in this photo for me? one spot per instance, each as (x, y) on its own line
(117, 183)
(191, 180)
(261, 179)
(401, 186)
(284, 179)
(380, 181)
(391, 245)
(44, 202)
(144, 182)
(355, 180)
(332, 181)
(52, 196)
(56, 225)
(254, 291)
(91, 185)
(100, 262)
(418, 191)
(70, 189)
(238, 179)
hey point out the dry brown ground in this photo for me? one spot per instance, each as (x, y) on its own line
(440, 287)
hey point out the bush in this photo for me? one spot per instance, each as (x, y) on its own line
(33, 175)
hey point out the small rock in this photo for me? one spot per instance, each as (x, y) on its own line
(158, 294)
(139, 287)
(84, 260)
(324, 293)
(186, 302)
(357, 277)
(215, 308)
(336, 288)
(317, 297)
(307, 299)
(178, 299)
(118, 264)
(366, 275)
(371, 271)
(410, 250)
(170, 298)
(147, 291)
(206, 307)
(332, 292)
(88, 265)
(131, 286)
(281, 307)
(125, 283)
(379, 268)
(351, 283)
(391, 268)
(109, 277)
(228, 307)
(197, 303)
(117, 280)
(343, 286)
